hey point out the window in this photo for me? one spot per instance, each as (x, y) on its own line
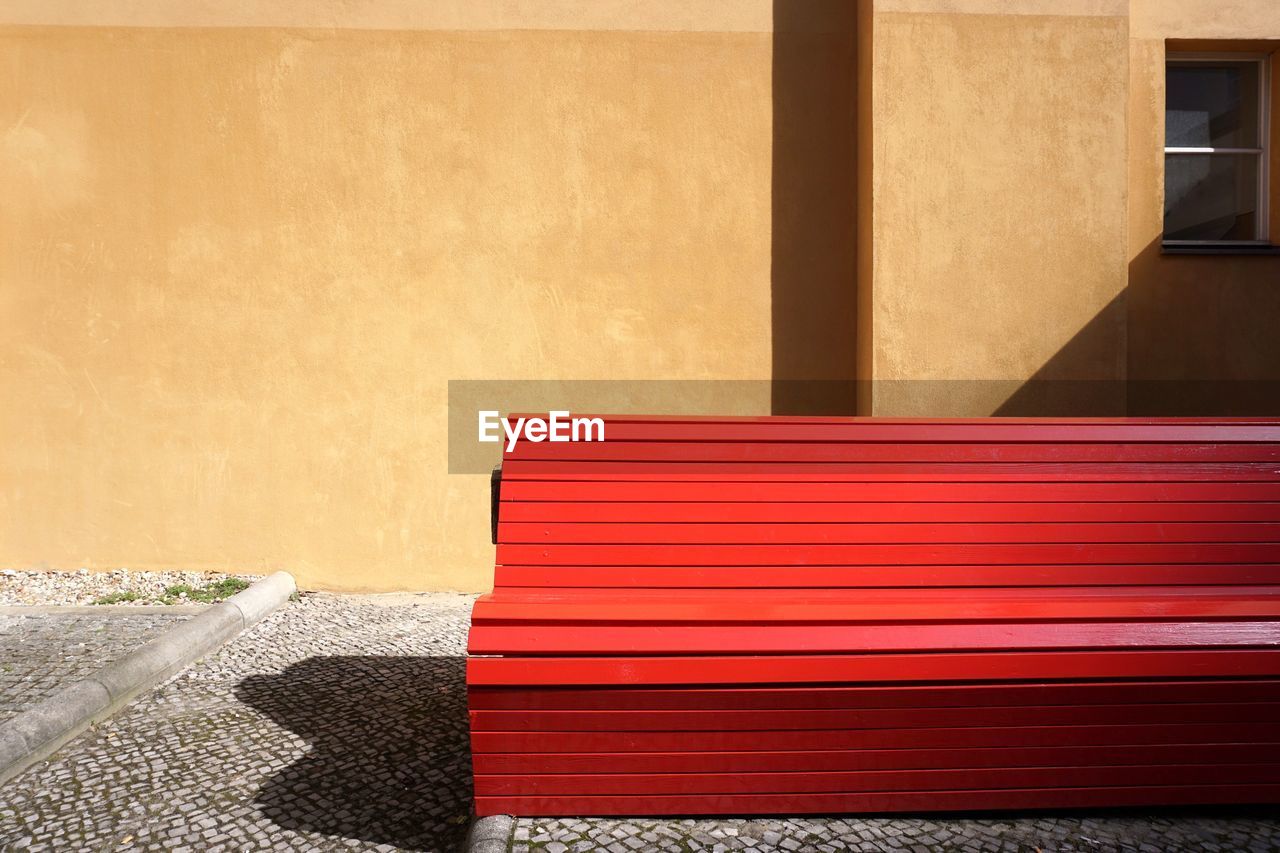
(1215, 156)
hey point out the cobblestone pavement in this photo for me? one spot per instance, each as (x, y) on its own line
(1214, 830)
(333, 724)
(43, 652)
(340, 723)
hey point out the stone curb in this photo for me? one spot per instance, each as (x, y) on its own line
(37, 732)
(490, 834)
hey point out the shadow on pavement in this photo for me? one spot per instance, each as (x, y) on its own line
(389, 761)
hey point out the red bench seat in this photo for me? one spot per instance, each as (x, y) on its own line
(754, 615)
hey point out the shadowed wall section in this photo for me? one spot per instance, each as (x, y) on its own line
(814, 202)
(1197, 333)
(1060, 387)
(1202, 330)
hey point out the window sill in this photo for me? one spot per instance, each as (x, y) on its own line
(1179, 249)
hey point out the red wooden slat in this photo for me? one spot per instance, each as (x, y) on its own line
(885, 512)
(872, 472)
(516, 492)
(875, 605)
(865, 759)
(974, 737)
(764, 453)
(804, 669)
(808, 803)
(858, 577)
(896, 696)
(488, 639)
(874, 718)
(975, 554)
(882, 575)
(873, 780)
(800, 533)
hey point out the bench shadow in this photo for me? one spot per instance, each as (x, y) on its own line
(388, 759)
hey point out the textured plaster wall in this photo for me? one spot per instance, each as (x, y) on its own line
(1204, 19)
(998, 206)
(243, 247)
(1202, 330)
(238, 266)
(471, 15)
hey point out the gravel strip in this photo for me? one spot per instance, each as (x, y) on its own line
(45, 588)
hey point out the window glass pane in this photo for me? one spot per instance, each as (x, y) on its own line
(1211, 196)
(1211, 105)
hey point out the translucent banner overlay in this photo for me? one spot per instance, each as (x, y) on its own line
(835, 398)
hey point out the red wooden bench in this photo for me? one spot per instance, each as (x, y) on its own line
(753, 615)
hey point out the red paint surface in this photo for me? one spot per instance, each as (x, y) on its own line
(752, 615)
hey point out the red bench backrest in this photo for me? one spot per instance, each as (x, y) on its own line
(797, 503)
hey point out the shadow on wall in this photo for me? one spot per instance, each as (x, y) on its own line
(389, 759)
(1204, 334)
(1189, 336)
(814, 186)
(1198, 334)
(1056, 389)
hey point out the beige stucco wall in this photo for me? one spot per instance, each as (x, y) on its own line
(241, 256)
(1204, 19)
(1010, 254)
(244, 246)
(1202, 330)
(998, 202)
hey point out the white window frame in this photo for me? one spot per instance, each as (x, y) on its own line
(1263, 153)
